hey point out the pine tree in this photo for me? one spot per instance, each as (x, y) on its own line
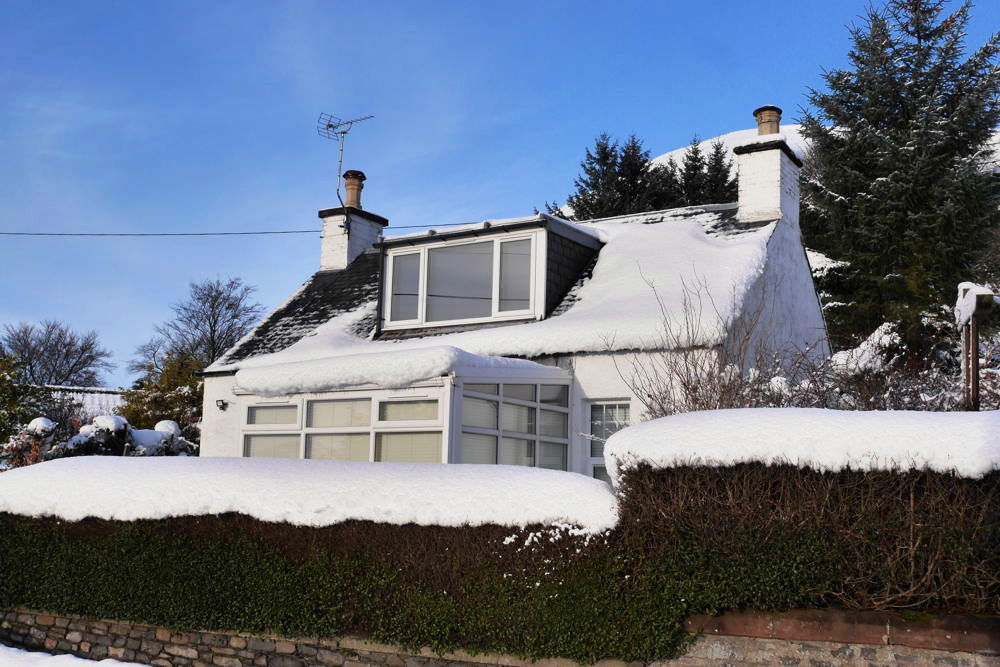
(693, 174)
(895, 183)
(621, 180)
(720, 183)
(597, 193)
(19, 402)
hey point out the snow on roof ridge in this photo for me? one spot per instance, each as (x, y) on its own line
(307, 492)
(703, 208)
(95, 390)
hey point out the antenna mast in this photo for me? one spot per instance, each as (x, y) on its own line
(332, 127)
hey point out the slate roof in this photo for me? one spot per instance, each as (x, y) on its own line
(327, 294)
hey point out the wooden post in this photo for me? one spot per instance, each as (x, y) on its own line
(970, 347)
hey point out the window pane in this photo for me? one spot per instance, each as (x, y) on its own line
(606, 419)
(408, 447)
(525, 392)
(518, 418)
(601, 473)
(479, 412)
(405, 286)
(552, 455)
(482, 388)
(478, 448)
(285, 446)
(460, 282)
(517, 452)
(554, 424)
(515, 275)
(396, 411)
(354, 412)
(272, 414)
(555, 394)
(338, 447)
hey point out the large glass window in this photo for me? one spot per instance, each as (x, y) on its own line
(272, 414)
(408, 447)
(606, 419)
(460, 282)
(524, 410)
(400, 411)
(515, 275)
(354, 412)
(405, 287)
(273, 446)
(338, 447)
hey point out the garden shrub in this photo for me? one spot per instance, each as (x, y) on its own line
(690, 540)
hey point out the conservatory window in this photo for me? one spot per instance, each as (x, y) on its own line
(273, 446)
(350, 412)
(408, 447)
(516, 424)
(400, 411)
(461, 282)
(338, 446)
(272, 414)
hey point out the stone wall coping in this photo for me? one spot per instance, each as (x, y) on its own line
(974, 634)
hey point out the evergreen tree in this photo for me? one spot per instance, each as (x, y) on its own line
(693, 174)
(172, 391)
(720, 183)
(894, 182)
(621, 180)
(19, 402)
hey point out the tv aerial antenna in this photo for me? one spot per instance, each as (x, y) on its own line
(331, 127)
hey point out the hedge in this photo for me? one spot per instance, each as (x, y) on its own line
(691, 540)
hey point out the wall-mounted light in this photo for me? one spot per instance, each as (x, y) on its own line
(222, 404)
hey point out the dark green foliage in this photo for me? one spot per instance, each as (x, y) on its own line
(895, 183)
(621, 180)
(691, 541)
(19, 402)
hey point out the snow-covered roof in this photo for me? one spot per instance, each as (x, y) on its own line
(649, 264)
(307, 492)
(965, 442)
(92, 400)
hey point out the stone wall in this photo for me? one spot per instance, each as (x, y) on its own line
(133, 642)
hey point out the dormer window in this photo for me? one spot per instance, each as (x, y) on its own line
(465, 281)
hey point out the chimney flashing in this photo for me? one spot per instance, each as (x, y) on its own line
(778, 141)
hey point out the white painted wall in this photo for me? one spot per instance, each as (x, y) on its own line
(341, 244)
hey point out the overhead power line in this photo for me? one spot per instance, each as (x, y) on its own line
(149, 234)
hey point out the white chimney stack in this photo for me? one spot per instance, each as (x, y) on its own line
(769, 172)
(350, 230)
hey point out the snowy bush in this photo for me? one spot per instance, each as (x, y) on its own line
(106, 435)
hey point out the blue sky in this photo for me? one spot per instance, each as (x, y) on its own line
(199, 116)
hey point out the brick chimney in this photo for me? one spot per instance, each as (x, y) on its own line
(348, 231)
(769, 172)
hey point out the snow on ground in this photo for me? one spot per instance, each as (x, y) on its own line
(966, 442)
(307, 492)
(13, 657)
(614, 309)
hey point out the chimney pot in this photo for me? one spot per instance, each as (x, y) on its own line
(354, 183)
(768, 119)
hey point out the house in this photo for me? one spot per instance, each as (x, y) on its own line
(509, 341)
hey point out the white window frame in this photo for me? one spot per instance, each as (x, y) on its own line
(536, 283)
(599, 461)
(437, 392)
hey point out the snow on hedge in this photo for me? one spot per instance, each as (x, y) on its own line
(965, 442)
(306, 492)
(13, 657)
